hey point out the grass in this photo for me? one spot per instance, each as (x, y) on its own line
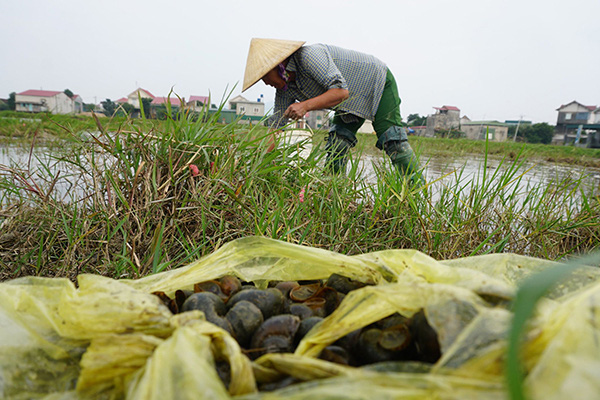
(133, 206)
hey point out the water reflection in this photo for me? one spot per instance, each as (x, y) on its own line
(439, 171)
(444, 171)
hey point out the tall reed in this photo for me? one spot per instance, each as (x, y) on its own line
(142, 197)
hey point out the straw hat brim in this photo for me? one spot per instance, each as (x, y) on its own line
(264, 55)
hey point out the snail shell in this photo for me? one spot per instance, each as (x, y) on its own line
(275, 335)
(211, 305)
(245, 318)
(301, 310)
(426, 340)
(368, 350)
(286, 286)
(335, 354)
(305, 326)
(269, 301)
(343, 284)
(230, 285)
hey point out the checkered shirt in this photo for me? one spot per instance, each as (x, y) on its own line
(322, 67)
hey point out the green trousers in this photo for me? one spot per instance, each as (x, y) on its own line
(391, 136)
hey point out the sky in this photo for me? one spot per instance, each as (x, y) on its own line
(495, 60)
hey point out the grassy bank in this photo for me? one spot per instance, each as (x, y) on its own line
(24, 126)
(145, 196)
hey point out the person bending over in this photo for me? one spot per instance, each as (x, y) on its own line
(355, 85)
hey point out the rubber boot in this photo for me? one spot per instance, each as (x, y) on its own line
(404, 159)
(337, 152)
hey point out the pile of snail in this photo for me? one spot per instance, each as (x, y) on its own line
(274, 320)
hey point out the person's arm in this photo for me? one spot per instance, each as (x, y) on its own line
(329, 99)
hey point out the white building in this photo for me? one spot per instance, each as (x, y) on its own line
(134, 97)
(248, 110)
(46, 101)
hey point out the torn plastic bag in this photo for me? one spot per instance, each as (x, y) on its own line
(114, 339)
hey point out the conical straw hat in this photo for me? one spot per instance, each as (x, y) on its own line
(264, 55)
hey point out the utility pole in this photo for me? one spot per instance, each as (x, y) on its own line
(517, 130)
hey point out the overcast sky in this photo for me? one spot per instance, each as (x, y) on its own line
(497, 60)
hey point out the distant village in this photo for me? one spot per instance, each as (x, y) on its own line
(576, 123)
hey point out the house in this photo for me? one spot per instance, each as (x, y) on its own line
(417, 130)
(44, 101)
(77, 104)
(248, 111)
(199, 103)
(477, 130)
(134, 97)
(175, 101)
(318, 119)
(578, 124)
(573, 114)
(446, 118)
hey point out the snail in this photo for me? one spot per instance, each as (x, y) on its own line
(426, 340)
(343, 284)
(269, 301)
(305, 326)
(335, 354)
(286, 286)
(275, 335)
(245, 318)
(211, 305)
(301, 310)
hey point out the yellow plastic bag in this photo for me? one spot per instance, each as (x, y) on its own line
(114, 339)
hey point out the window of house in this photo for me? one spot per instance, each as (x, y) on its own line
(256, 110)
(242, 109)
(318, 117)
(582, 116)
(568, 115)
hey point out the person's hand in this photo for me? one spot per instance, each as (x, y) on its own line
(296, 111)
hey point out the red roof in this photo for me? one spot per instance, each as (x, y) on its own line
(201, 99)
(121, 100)
(143, 90)
(163, 100)
(450, 108)
(39, 93)
(591, 108)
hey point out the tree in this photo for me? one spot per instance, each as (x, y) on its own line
(416, 120)
(109, 107)
(146, 106)
(68, 93)
(537, 133)
(11, 101)
(128, 108)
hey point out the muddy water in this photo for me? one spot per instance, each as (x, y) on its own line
(438, 171)
(39, 169)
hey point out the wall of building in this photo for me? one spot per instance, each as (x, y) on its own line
(443, 121)
(134, 99)
(250, 108)
(318, 119)
(477, 131)
(57, 104)
(574, 114)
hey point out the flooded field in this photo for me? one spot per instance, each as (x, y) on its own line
(444, 170)
(45, 162)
